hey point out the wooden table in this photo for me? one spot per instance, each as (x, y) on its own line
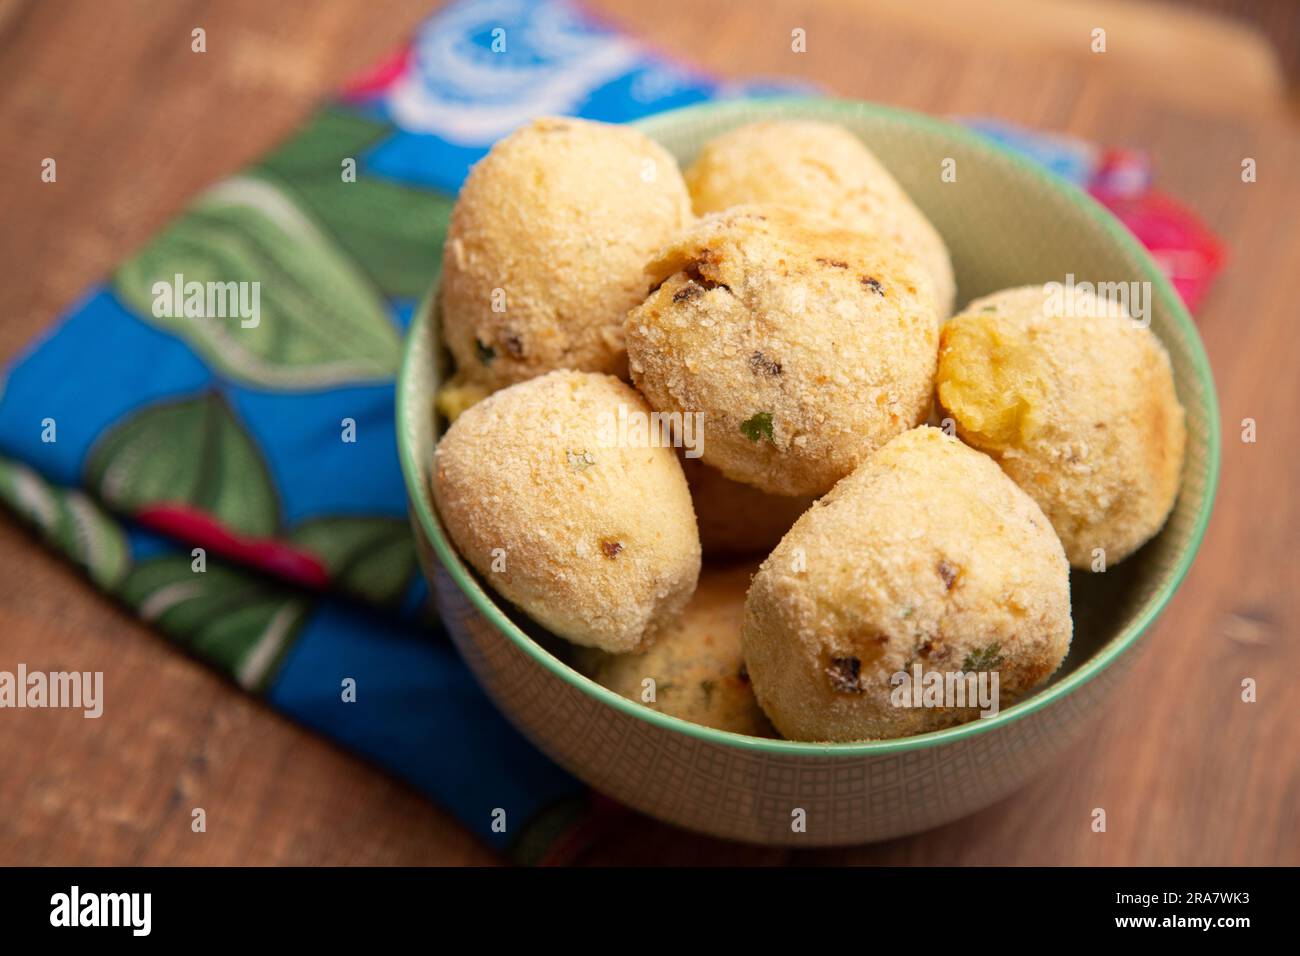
(137, 122)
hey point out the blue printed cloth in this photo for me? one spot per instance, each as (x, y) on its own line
(235, 481)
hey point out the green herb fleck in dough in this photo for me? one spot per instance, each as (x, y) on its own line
(759, 426)
(983, 659)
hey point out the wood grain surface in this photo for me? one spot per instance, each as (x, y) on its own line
(1188, 773)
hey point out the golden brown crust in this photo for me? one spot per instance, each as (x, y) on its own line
(696, 665)
(595, 541)
(546, 245)
(1078, 408)
(821, 167)
(805, 346)
(926, 554)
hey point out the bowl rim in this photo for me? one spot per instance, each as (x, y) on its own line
(830, 107)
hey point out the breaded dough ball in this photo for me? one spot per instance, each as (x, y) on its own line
(927, 554)
(805, 346)
(546, 245)
(594, 540)
(1077, 405)
(696, 665)
(738, 520)
(822, 167)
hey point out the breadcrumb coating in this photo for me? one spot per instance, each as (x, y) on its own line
(927, 554)
(804, 345)
(820, 167)
(546, 245)
(1077, 404)
(594, 540)
(697, 668)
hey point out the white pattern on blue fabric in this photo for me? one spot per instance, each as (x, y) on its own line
(462, 91)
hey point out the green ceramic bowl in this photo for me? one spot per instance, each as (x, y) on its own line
(1007, 223)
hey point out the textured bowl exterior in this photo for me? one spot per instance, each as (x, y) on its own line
(1007, 223)
(740, 794)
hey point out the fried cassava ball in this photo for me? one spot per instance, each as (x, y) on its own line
(695, 670)
(1076, 402)
(927, 554)
(546, 245)
(593, 538)
(825, 168)
(804, 346)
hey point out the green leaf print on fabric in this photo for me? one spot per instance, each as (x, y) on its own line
(319, 322)
(329, 137)
(366, 556)
(238, 622)
(395, 232)
(69, 522)
(192, 451)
